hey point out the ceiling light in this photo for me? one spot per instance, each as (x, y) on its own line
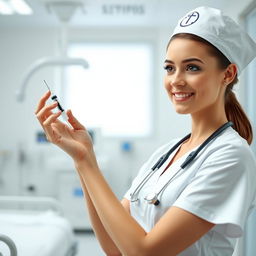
(21, 7)
(15, 6)
(5, 8)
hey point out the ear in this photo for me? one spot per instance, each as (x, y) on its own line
(230, 74)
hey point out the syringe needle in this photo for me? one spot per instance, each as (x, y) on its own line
(47, 86)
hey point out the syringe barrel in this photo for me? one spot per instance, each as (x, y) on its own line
(54, 97)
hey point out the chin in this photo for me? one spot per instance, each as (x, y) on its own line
(182, 111)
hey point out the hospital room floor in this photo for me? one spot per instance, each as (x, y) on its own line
(87, 244)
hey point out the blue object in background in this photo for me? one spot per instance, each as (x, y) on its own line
(78, 192)
(126, 146)
(41, 137)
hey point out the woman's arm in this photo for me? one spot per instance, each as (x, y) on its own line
(173, 233)
(106, 242)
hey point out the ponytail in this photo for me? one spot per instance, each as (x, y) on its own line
(233, 109)
(236, 114)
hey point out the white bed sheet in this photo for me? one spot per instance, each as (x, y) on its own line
(40, 234)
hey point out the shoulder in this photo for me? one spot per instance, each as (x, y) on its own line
(230, 146)
(229, 158)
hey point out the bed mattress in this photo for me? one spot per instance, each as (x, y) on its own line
(37, 234)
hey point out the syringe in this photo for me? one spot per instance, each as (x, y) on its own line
(55, 98)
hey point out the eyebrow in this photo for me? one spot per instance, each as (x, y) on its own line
(185, 61)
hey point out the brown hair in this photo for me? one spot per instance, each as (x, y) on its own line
(233, 109)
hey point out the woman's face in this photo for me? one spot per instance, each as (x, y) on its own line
(193, 80)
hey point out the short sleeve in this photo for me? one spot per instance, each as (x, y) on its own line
(223, 190)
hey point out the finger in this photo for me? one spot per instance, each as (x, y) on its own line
(45, 112)
(47, 125)
(42, 101)
(74, 122)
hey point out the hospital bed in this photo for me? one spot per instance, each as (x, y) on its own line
(35, 226)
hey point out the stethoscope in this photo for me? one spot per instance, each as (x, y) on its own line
(152, 198)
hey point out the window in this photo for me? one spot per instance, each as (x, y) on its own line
(114, 94)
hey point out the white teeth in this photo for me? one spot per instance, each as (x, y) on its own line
(182, 95)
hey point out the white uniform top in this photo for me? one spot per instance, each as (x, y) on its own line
(218, 186)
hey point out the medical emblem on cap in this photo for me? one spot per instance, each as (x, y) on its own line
(190, 19)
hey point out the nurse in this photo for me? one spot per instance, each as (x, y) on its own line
(197, 210)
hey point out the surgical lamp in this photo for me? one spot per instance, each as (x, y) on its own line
(43, 62)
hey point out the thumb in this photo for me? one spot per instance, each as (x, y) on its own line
(74, 122)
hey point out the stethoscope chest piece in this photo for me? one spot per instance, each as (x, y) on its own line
(151, 198)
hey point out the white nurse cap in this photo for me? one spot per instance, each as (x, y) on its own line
(222, 32)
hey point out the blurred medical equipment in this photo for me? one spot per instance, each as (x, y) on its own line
(69, 192)
(44, 62)
(11, 245)
(55, 98)
(4, 155)
(43, 170)
(36, 226)
(152, 198)
(63, 10)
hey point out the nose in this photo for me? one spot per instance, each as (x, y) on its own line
(177, 79)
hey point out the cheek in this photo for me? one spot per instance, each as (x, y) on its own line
(208, 92)
(201, 84)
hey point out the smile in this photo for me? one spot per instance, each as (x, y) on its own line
(182, 96)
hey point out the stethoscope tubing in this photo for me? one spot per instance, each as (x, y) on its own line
(141, 184)
(187, 161)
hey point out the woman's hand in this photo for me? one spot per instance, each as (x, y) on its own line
(75, 141)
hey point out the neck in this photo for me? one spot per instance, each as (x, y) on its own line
(202, 128)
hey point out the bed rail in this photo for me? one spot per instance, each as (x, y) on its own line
(8, 241)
